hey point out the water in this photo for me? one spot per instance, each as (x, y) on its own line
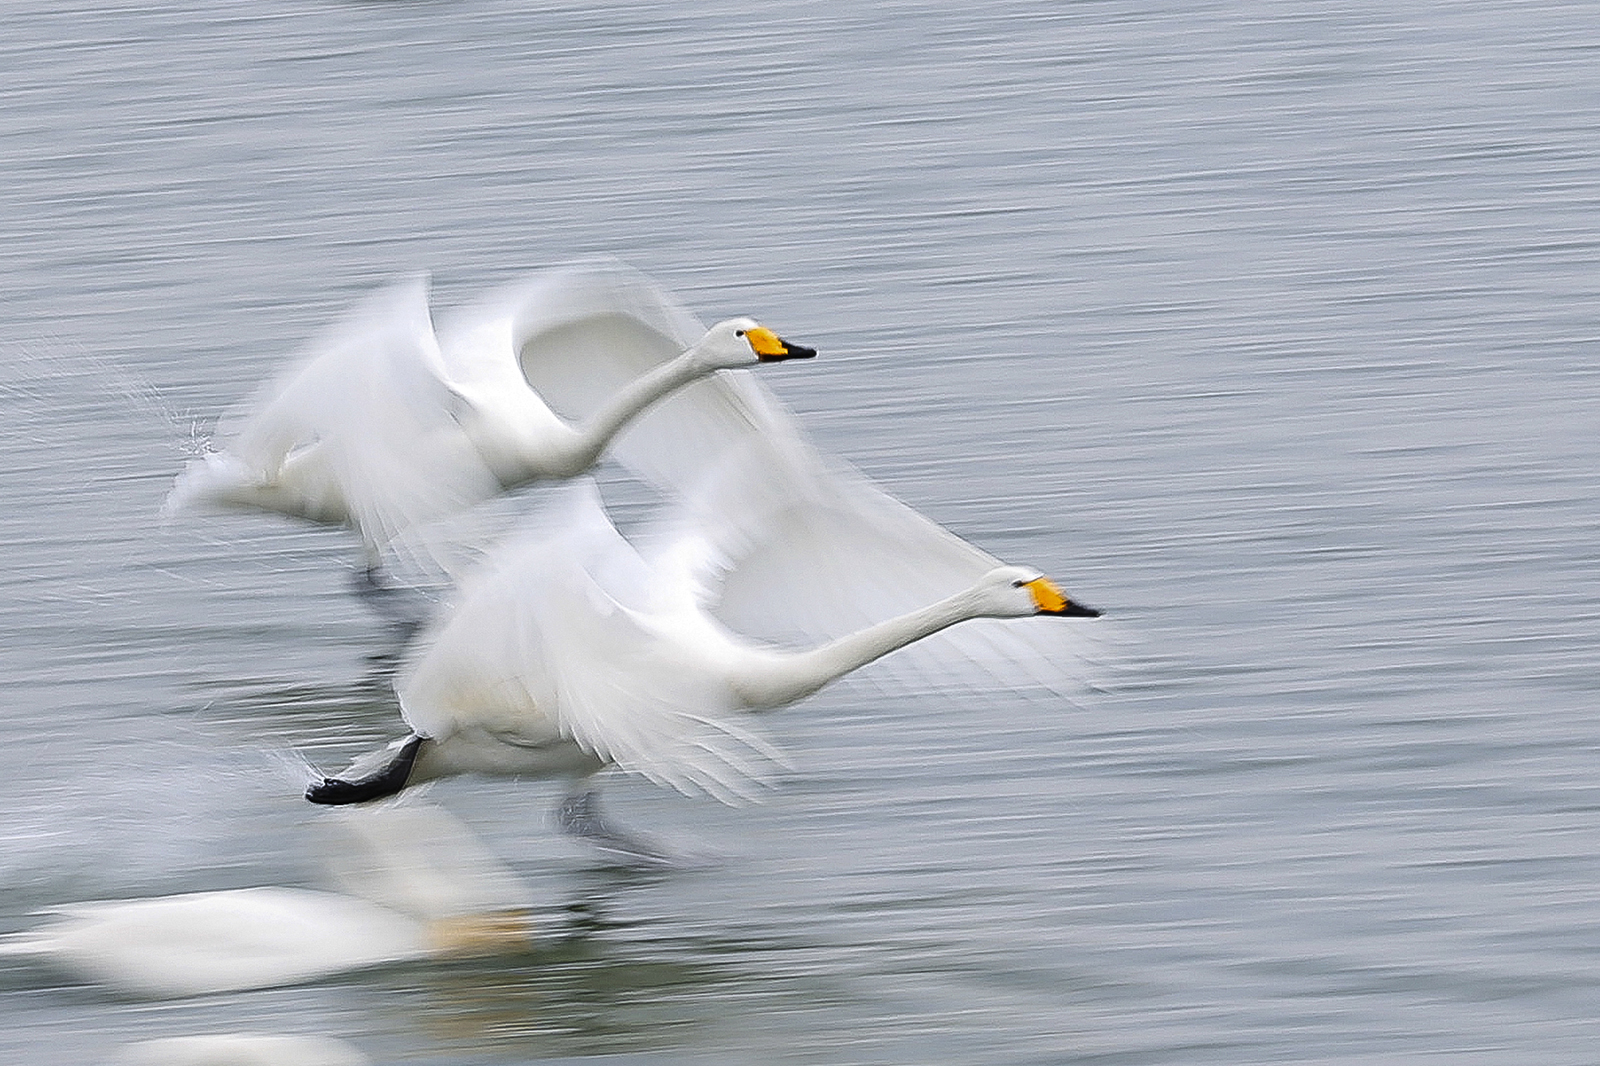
(1271, 330)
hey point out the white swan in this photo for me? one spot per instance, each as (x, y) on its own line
(385, 427)
(201, 942)
(571, 650)
(413, 883)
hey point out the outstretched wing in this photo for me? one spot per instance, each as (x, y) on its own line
(583, 331)
(781, 544)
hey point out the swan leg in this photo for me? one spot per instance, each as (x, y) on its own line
(401, 607)
(579, 815)
(386, 780)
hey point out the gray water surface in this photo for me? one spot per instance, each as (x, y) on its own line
(1270, 329)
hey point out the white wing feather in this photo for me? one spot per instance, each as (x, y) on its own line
(783, 545)
(584, 331)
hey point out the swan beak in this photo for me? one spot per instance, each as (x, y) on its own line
(1051, 600)
(771, 348)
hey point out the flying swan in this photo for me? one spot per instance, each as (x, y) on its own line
(573, 650)
(386, 426)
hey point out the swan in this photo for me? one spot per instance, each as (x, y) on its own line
(201, 942)
(386, 425)
(409, 883)
(573, 649)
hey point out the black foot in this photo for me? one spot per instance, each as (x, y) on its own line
(384, 781)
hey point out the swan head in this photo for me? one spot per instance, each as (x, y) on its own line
(744, 342)
(1020, 592)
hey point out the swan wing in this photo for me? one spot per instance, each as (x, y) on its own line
(583, 331)
(370, 416)
(560, 628)
(298, 406)
(783, 544)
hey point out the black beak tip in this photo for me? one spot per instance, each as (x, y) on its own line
(798, 351)
(1078, 610)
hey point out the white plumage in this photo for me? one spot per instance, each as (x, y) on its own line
(386, 426)
(572, 649)
(201, 942)
(412, 883)
(774, 571)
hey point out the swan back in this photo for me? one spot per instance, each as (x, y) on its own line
(220, 941)
(414, 882)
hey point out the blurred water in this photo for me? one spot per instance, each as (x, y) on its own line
(1270, 329)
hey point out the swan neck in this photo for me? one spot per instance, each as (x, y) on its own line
(595, 434)
(795, 675)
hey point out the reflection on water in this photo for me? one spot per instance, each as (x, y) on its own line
(600, 986)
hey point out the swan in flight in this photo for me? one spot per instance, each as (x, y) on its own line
(572, 649)
(386, 426)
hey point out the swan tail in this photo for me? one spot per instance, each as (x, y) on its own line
(211, 481)
(386, 779)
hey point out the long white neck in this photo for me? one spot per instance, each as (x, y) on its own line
(776, 679)
(595, 435)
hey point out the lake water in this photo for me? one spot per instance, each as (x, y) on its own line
(1271, 329)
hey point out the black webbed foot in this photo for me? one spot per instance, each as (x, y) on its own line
(384, 781)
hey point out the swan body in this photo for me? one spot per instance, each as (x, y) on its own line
(202, 942)
(572, 651)
(412, 883)
(387, 425)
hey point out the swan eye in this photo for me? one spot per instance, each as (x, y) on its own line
(1018, 583)
(738, 333)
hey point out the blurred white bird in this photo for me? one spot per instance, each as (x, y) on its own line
(413, 883)
(385, 427)
(572, 650)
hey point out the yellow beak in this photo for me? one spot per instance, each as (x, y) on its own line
(771, 347)
(1051, 600)
(1046, 596)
